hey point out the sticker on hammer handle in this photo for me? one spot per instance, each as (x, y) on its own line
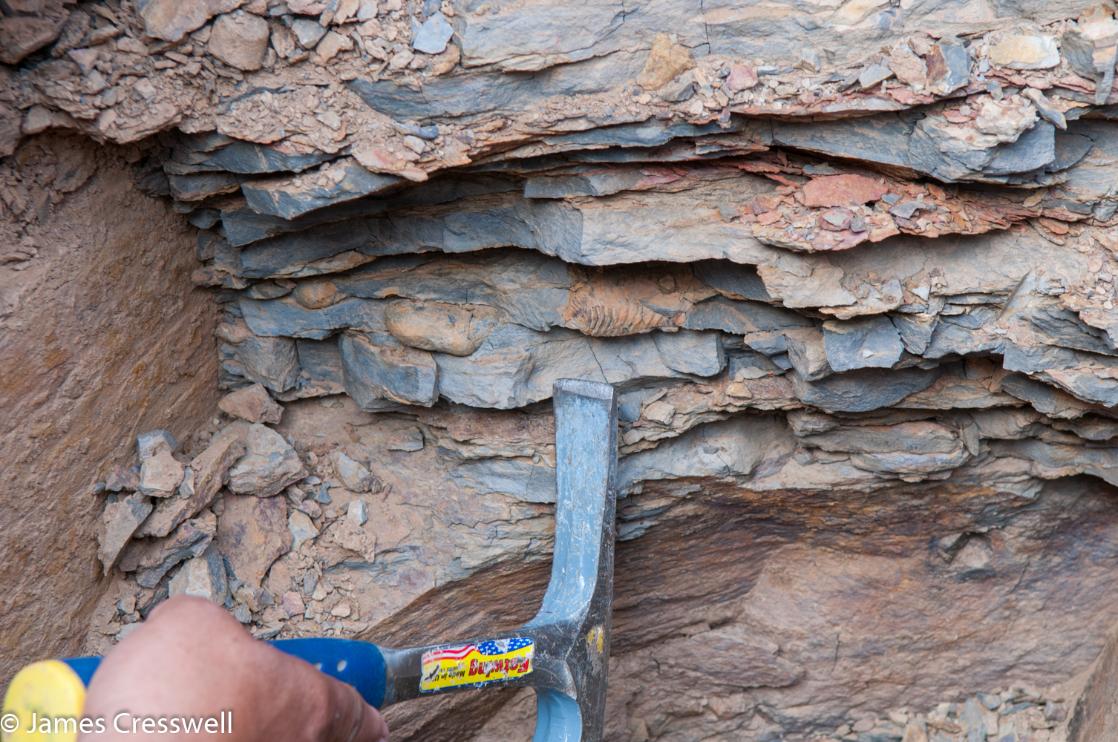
(471, 665)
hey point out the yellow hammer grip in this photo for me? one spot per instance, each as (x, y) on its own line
(43, 703)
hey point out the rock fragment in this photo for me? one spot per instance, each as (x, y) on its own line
(307, 32)
(357, 512)
(252, 534)
(353, 474)
(203, 577)
(436, 326)
(741, 77)
(332, 44)
(1026, 52)
(120, 519)
(152, 559)
(433, 34)
(161, 473)
(269, 465)
(948, 66)
(170, 20)
(666, 60)
(148, 443)
(292, 604)
(874, 74)
(302, 529)
(206, 475)
(240, 40)
(21, 36)
(252, 403)
(843, 190)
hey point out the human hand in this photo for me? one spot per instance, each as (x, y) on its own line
(192, 659)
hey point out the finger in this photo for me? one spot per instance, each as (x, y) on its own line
(353, 719)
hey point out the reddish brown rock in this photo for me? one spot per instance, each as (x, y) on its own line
(170, 20)
(240, 40)
(252, 533)
(843, 190)
(666, 60)
(23, 35)
(252, 403)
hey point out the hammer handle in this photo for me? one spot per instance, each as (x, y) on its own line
(360, 664)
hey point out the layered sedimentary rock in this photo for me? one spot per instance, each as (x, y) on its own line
(850, 265)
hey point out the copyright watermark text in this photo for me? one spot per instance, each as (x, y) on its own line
(124, 722)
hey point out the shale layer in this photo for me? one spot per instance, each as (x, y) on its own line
(851, 266)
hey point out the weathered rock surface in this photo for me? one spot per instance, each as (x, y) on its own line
(251, 403)
(252, 532)
(850, 266)
(94, 350)
(269, 464)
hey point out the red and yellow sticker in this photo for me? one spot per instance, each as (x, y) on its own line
(465, 665)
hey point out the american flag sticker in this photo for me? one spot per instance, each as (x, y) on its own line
(474, 665)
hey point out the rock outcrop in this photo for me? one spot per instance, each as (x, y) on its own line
(101, 337)
(850, 265)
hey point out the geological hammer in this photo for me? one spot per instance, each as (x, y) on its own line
(563, 652)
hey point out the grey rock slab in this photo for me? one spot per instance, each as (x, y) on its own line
(964, 334)
(249, 158)
(490, 92)
(733, 281)
(152, 559)
(307, 32)
(433, 34)
(1045, 398)
(1083, 375)
(519, 478)
(729, 449)
(354, 475)
(741, 317)
(1064, 328)
(269, 465)
(320, 362)
(864, 390)
(120, 519)
(515, 367)
(202, 186)
(271, 361)
(287, 318)
(872, 342)
(386, 370)
(334, 183)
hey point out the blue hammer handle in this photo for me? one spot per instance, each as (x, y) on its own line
(360, 664)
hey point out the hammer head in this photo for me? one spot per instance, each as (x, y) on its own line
(572, 628)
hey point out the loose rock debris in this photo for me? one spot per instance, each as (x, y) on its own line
(243, 501)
